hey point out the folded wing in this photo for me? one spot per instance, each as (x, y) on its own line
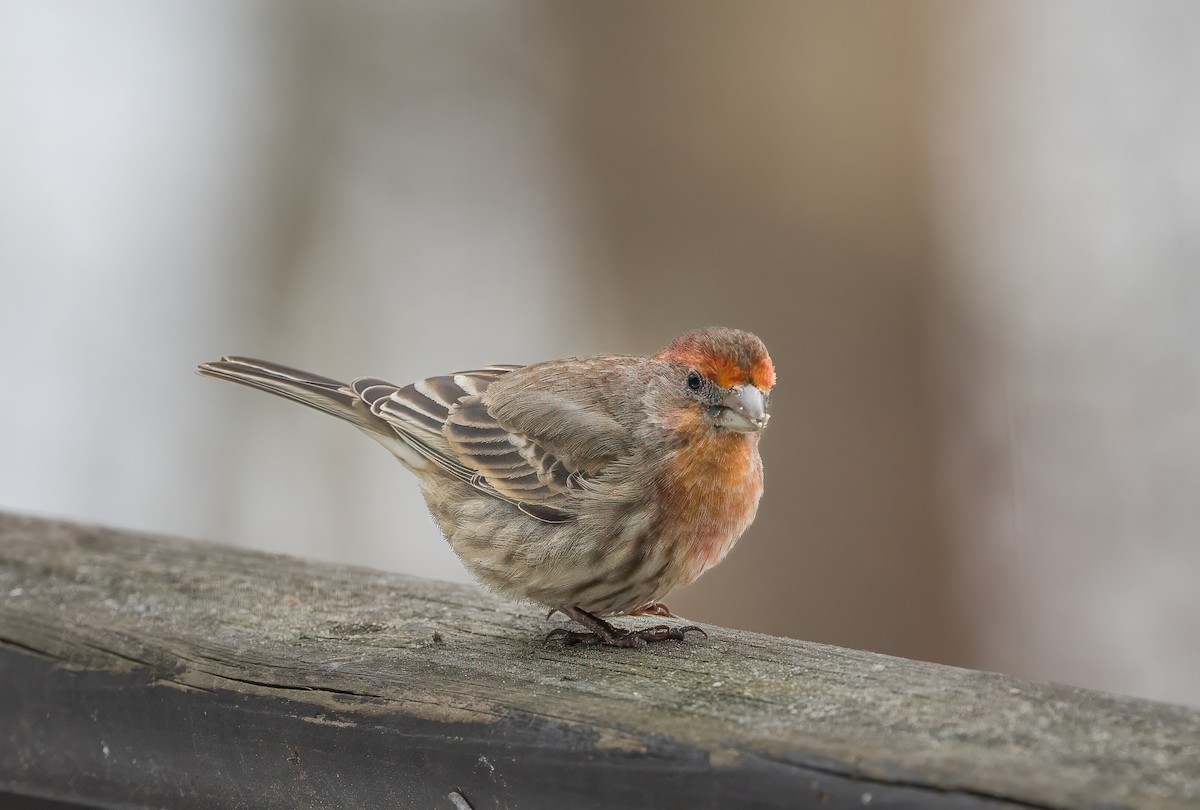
(529, 435)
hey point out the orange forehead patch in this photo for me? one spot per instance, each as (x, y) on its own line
(762, 374)
(725, 369)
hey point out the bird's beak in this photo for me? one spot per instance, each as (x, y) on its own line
(743, 410)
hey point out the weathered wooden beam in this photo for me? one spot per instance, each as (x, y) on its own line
(142, 671)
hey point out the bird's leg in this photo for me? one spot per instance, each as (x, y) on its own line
(654, 609)
(601, 632)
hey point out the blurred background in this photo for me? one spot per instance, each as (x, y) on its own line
(968, 234)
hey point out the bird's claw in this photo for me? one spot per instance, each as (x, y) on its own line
(654, 609)
(624, 638)
(663, 632)
(570, 638)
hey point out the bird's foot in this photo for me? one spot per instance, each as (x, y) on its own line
(654, 609)
(665, 632)
(603, 633)
(623, 638)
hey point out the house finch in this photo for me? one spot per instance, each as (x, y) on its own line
(590, 485)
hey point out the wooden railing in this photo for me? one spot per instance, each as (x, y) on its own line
(141, 671)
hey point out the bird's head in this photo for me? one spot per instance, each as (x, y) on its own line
(721, 377)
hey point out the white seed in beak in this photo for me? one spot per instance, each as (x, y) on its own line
(743, 410)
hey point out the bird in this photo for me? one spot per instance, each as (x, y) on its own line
(590, 485)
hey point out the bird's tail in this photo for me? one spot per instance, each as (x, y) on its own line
(323, 393)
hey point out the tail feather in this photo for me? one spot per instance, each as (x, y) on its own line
(280, 370)
(322, 393)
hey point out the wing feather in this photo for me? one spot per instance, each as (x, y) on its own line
(421, 413)
(531, 435)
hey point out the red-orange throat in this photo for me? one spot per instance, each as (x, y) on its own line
(713, 486)
(719, 458)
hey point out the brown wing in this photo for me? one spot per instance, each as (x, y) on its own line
(565, 408)
(514, 465)
(418, 411)
(529, 435)
(539, 434)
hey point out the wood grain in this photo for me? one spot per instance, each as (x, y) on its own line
(147, 671)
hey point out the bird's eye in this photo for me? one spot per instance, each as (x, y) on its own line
(694, 381)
